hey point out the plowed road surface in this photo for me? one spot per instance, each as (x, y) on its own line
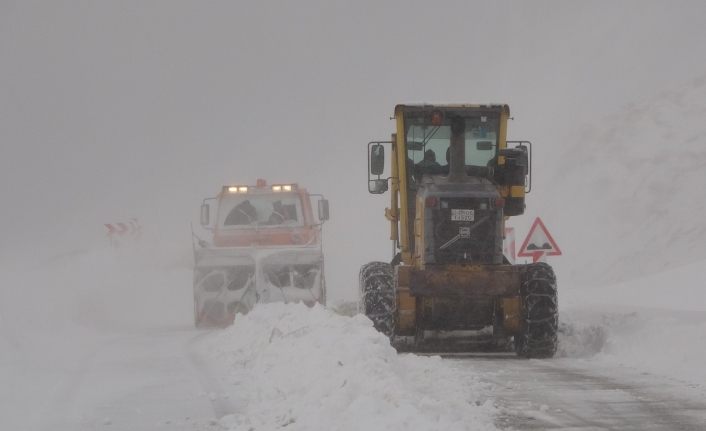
(569, 394)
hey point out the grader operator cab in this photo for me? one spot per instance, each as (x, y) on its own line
(454, 180)
(265, 247)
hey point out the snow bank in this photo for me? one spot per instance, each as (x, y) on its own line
(631, 201)
(655, 324)
(312, 369)
(669, 344)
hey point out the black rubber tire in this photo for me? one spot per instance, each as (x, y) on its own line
(540, 312)
(377, 295)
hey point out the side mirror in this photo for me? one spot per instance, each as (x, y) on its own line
(323, 209)
(377, 159)
(377, 187)
(205, 215)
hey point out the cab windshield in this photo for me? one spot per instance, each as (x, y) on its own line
(428, 145)
(251, 210)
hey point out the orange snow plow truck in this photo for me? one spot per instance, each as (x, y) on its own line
(265, 247)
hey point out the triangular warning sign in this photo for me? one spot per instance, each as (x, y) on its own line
(539, 242)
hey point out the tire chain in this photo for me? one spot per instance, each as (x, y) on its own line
(540, 312)
(377, 295)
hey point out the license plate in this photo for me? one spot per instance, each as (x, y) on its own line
(462, 215)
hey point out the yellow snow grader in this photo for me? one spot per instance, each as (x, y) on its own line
(454, 180)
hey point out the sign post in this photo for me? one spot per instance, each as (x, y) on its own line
(509, 245)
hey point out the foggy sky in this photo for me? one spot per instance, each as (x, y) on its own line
(111, 110)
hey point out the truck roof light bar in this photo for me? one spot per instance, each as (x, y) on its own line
(237, 189)
(284, 187)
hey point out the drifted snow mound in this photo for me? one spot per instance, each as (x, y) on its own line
(662, 342)
(656, 324)
(311, 369)
(631, 188)
(581, 341)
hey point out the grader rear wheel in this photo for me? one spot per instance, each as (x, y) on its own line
(540, 315)
(377, 295)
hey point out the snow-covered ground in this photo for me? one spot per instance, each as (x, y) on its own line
(109, 342)
(655, 324)
(95, 338)
(312, 369)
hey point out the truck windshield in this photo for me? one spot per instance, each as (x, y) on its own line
(427, 145)
(260, 210)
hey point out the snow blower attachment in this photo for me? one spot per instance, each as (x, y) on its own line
(266, 247)
(455, 179)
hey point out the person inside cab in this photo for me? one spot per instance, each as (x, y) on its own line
(278, 215)
(429, 162)
(243, 213)
(428, 166)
